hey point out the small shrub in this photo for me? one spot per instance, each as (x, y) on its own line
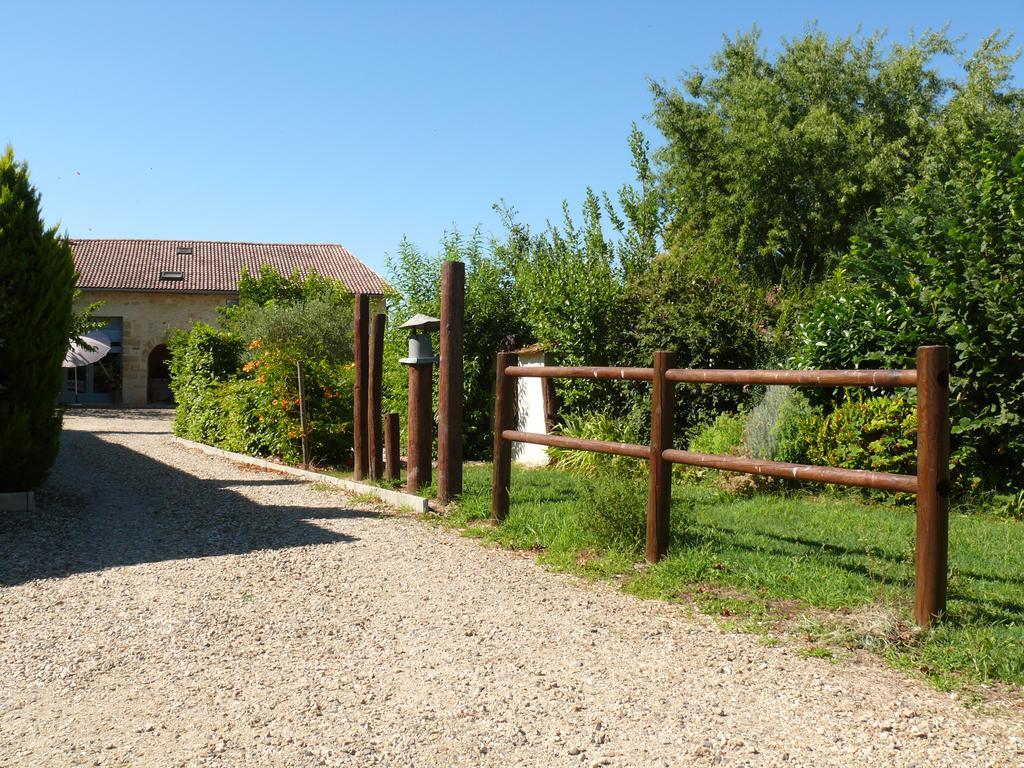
(724, 435)
(616, 511)
(1010, 505)
(259, 410)
(797, 419)
(597, 426)
(878, 434)
(759, 426)
(777, 428)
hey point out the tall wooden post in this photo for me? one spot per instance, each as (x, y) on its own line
(504, 396)
(392, 464)
(361, 340)
(421, 439)
(303, 421)
(375, 448)
(449, 412)
(932, 551)
(659, 489)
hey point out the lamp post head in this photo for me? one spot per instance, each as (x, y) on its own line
(420, 349)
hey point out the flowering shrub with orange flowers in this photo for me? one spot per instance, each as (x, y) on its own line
(262, 409)
(237, 388)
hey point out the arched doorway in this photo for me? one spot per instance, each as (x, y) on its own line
(159, 389)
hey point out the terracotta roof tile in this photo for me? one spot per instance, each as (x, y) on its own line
(135, 265)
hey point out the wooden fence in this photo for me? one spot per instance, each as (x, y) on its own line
(930, 484)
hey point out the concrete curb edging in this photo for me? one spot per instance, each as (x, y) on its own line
(393, 498)
(18, 501)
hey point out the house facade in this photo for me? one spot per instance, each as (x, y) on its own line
(150, 287)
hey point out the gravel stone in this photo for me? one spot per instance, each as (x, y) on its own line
(166, 608)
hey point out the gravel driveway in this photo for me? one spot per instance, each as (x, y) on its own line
(165, 608)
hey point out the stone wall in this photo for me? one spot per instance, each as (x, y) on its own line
(147, 318)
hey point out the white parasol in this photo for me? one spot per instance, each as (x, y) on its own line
(80, 354)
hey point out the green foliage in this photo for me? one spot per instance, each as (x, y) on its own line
(642, 219)
(597, 426)
(37, 282)
(774, 162)
(795, 421)
(614, 511)
(315, 329)
(711, 319)
(863, 432)
(270, 286)
(303, 318)
(415, 278)
(1010, 505)
(777, 428)
(237, 387)
(490, 328)
(82, 322)
(570, 285)
(878, 434)
(260, 409)
(944, 265)
(490, 325)
(723, 435)
(201, 358)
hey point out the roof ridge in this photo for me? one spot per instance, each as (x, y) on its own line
(187, 240)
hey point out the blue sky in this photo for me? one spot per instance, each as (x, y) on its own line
(361, 123)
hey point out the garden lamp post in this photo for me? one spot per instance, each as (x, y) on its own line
(421, 362)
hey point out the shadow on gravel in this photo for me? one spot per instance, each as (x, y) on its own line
(107, 505)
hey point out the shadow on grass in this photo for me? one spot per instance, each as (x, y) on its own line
(970, 601)
(107, 505)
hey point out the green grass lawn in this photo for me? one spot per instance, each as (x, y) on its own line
(833, 569)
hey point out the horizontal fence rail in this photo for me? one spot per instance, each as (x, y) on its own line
(930, 484)
(579, 444)
(807, 472)
(580, 372)
(859, 378)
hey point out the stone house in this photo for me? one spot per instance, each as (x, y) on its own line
(150, 287)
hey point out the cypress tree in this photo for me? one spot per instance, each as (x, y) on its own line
(37, 281)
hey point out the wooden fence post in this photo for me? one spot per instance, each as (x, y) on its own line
(361, 342)
(931, 554)
(504, 396)
(419, 426)
(375, 449)
(449, 409)
(659, 489)
(392, 463)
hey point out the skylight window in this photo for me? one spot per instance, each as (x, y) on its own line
(184, 250)
(172, 275)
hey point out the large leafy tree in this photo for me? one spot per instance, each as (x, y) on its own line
(773, 162)
(37, 282)
(944, 264)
